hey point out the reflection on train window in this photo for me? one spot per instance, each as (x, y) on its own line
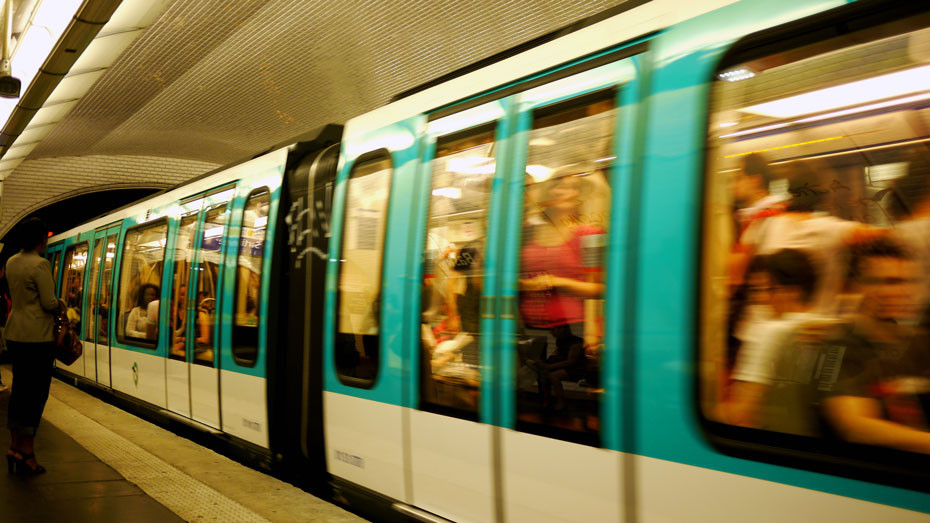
(140, 284)
(72, 287)
(208, 273)
(357, 345)
(183, 255)
(453, 271)
(814, 303)
(106, 291)
(92, 288)
(566, 208)
(246, 308)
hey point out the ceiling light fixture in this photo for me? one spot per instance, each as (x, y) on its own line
(889, 85)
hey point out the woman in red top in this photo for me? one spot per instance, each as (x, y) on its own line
(561, 261)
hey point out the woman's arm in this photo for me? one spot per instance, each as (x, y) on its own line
(45, 286)
(134, 316)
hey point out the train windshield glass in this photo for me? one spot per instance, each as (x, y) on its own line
(816, 243)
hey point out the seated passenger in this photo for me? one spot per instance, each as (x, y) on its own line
(203, 343)
(567, 363)
(74, 311)
(137, 325)
(770, 387)
(882, 359)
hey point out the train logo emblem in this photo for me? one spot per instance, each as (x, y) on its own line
(135, 374)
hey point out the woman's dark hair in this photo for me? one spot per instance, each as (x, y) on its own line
(882, 247)
(791, 268)
(754, 164)
(140, 299)
(32, 232)
(806, 191)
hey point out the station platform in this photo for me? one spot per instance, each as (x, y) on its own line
(105, 464)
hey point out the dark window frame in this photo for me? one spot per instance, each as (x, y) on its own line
(370, 156)
(122, 338)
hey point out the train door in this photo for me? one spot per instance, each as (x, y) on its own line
(245, 351)
(91, 288)
(451, 425)
(560, 315)
(180, 346)
(202, 326)
(364, 362)
(101, 308)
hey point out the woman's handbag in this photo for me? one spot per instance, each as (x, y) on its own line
(68, 347)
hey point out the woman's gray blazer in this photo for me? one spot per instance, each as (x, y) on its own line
(33, 294)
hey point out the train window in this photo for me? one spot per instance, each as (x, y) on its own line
(183, 254)
(140, 284)
(357, 345)
(209, 261)
(106, 292)
(249, 277)
(92, 289)
(561, 280)
(815, 279)
(453, 271)
(72, 288)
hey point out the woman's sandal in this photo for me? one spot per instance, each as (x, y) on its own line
(12, 460)
(23, 468)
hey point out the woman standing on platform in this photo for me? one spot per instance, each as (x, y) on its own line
(30, 340)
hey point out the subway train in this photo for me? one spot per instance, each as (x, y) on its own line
(514, 293)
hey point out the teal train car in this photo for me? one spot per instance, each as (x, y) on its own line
(669, 263)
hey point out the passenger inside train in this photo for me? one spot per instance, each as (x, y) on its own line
(567, 202)
(453, 275)
(138, 323)
(837, 172)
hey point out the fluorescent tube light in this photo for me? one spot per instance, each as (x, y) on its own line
(853, 93)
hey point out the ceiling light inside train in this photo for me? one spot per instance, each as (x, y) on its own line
(472, 165)
(890, 85)
(448, 192)
(539, 173)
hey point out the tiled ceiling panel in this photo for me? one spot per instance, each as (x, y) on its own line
(216, 81)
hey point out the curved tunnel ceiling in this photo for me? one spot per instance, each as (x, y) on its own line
(216, 81)
(211, 82)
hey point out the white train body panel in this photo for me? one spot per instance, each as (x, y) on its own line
(177, 376)
(139, 375)
(672, 492)
(244, 402)
(452, 468)
(205, 404)
(364, 443)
